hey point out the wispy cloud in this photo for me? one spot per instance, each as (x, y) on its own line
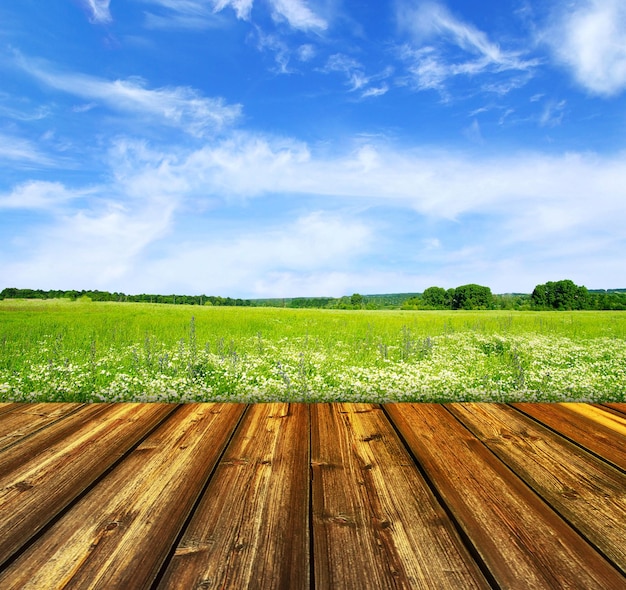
(177, 106)
(298, 15)
(98, 10)
(21, 150)
(356, 79)
(278, 48)
(590, 40)
(201, 13)
(444, 46)
(41, 195)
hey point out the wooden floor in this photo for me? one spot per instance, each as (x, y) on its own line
(313, 496)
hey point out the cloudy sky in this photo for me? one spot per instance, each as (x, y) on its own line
(277, 148)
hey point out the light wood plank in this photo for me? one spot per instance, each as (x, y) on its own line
(516, 534)
(589, 493)
(27, 419)
(582, 429)
(376, 522)
(118, 535)
(251, 529)
(32, 493)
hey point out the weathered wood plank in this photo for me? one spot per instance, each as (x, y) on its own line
(8, 407)
(376, 522)
(26, 419)
(516, 534)
(581, 428)
(617, 406)
(118, 535)
(251, 529)
(32, 493)
(575, 483)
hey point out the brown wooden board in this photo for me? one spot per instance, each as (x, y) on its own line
(118, 534)
(581, 428)
(33, 492)
(575, 483)
(376, 523)
(251, 529)
(524, 543)
(25, 419)
(8, 406)
(618, 407)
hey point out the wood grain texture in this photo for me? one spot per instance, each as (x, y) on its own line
(376, 522)
(118, 535)
(25, 419)
(34, 491)
(515, 533)
(581, 428)
(251, 529)
(575, 483)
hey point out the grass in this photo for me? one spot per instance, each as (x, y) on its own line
(58, 350)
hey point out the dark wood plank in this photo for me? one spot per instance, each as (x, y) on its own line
(618, 407)
(589, 493)
(32, 493)
(251, 529)
(26, 419)
(376, 522)
(516, 534)
(118, 535)
(583, 428)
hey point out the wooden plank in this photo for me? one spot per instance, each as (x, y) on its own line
(41, 441)
(582, 428)
(8, 407)
(251, 529)
(32, 493)
(118, 535)
(376, 522)
(589, 493)
(618, 407)
(26, 419)
(516, 534)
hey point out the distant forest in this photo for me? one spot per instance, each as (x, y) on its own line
(558, 295)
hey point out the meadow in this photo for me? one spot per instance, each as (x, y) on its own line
(59, 350)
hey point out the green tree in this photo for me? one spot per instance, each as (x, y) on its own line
(436, 297)
(472, 296)
(563, 294)
(357, 301)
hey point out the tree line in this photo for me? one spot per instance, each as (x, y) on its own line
(12, 293)
(553, 295)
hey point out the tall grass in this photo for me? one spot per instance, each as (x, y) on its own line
(61, 350)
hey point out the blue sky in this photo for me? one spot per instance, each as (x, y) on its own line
(278, 148)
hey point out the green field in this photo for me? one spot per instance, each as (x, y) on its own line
(58, 350)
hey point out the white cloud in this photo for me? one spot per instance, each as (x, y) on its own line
(590, 40)
(39, 195)
(525, 209)
(441, 185)
(99, 11)
(199, 13)
(266, 261)
(241, 7)
(177, 106)
(552, 114)
(274, 44)
(298, 15)
(23, 151)
(306, 52)
(356, 78)
(434, 30)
